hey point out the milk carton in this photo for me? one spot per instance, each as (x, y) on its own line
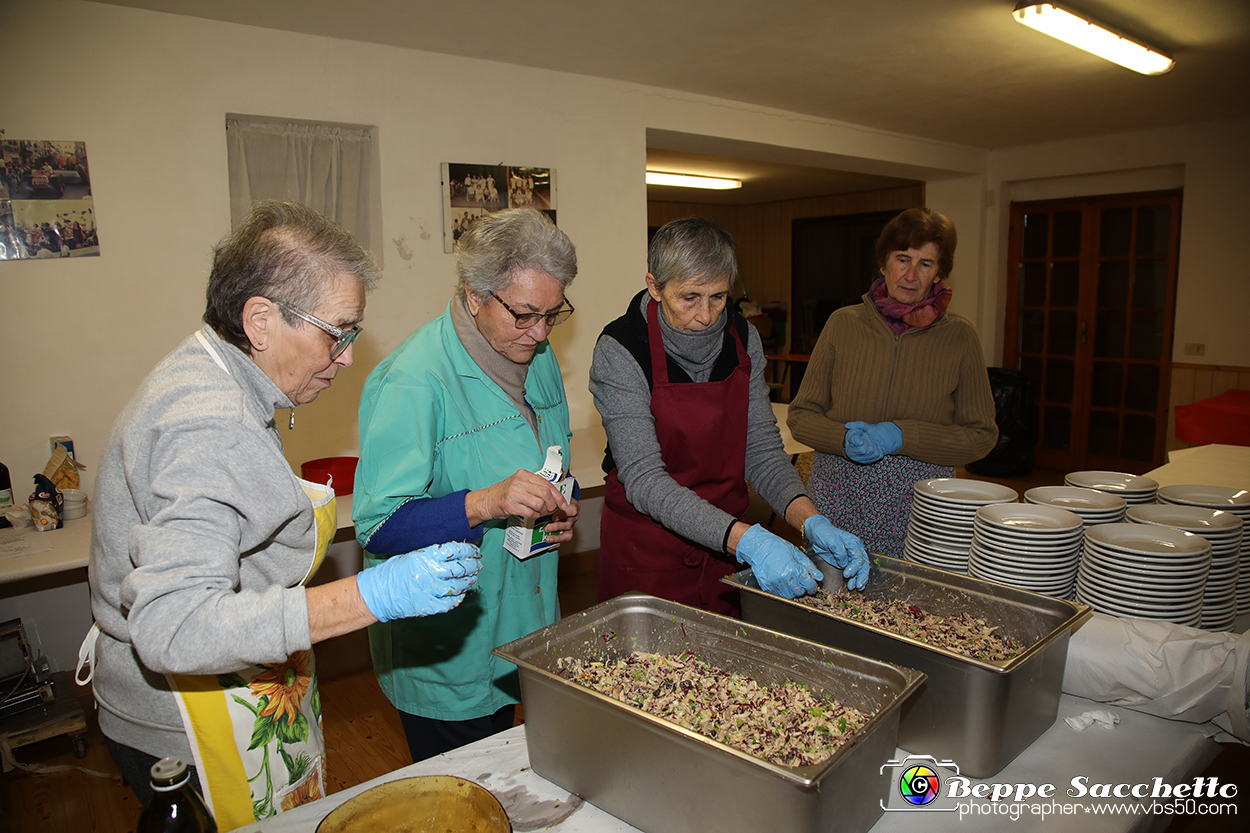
(524, 537)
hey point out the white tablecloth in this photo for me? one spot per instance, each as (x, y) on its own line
(1137, 750)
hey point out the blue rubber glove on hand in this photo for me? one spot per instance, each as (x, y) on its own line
(419, 583)
(840, 548)
(859, 444)
(887, 436)
(866, 443)
(780, 567)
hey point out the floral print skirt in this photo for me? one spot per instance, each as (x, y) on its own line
(870, 501)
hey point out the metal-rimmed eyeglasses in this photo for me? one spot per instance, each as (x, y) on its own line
(342, 338)
(525, 320)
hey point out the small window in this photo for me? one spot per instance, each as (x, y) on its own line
(330, 167)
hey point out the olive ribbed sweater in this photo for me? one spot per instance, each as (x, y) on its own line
(931, 383)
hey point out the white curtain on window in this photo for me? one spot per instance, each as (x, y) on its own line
(322, 166)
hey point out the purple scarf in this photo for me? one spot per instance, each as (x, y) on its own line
(901, 317)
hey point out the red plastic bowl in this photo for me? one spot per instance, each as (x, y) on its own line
(342, 469)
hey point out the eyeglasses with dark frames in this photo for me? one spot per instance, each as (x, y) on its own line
(343, 338)
(525, 320)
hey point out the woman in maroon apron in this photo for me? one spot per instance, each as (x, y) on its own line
(678, 380)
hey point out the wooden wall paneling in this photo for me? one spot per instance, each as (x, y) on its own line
(725, 216)
(1202, 385)
(1222, 380)
(1183, 381)
(763, 232)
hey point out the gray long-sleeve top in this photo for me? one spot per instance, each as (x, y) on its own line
(622, 395)
(201, 535)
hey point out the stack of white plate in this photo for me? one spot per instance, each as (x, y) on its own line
(939, 531)
(1144, 571)
(1224, 531)
(1093, 506)
(1236, 501)
(1027, 545)
(1133, 488)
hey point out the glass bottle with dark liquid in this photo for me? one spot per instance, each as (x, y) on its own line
(176, 807)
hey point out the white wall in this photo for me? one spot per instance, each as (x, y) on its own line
(1209, 161)
(149, 96)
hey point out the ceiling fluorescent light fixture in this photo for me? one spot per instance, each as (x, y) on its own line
(692, 181)
(1092, 36)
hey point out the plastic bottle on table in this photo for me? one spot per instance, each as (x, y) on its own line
(6, 489)
(176, 807)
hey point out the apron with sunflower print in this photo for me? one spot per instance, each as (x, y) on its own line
(255, 734)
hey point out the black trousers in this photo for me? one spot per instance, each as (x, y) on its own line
(136, 769)
(428, 737)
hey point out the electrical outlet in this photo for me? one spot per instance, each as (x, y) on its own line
(1195, 349)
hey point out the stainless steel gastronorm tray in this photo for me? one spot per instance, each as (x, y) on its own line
(662, 778)
(981, 714)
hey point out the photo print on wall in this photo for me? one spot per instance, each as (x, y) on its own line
(46, 209)
(469, 191)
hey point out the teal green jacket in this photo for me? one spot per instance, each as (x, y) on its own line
(431, 423)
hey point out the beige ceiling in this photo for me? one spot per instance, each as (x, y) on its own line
(960, 71)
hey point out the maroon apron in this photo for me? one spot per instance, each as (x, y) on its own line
(702, 429)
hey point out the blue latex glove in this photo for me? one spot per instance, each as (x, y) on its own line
(780, 567)
(419, 583)
(840, 548)
(859, 445)
(887, 436)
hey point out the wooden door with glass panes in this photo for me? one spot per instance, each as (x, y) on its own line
(1091, 295)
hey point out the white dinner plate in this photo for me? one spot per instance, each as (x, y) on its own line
(1197, 519)
(965, 491)
(1076, 499)
(1148, 540)
(1166, 564)
(1043, 565)
(1216, 497)
(1029, 535)
(1139, 599)
(1179, 606)
(1144, 581)
(1111, 481)
(928, 517)
(1034, 517)
(950, 565)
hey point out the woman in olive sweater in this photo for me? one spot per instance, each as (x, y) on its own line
(896, 390)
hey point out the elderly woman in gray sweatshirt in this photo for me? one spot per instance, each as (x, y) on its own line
(679, 383)
(203, 538)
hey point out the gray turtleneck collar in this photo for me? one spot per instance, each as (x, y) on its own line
(694, 352)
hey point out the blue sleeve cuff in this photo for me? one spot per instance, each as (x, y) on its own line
(424, 522)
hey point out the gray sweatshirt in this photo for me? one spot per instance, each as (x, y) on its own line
(201, 535)
(623, 397)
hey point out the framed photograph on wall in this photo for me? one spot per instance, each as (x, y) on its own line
(46, 208)
(469, 191)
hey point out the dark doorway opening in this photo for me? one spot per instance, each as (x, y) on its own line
(833, 265)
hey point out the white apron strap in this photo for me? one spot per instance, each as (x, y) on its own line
(199, 334)
(86, 656)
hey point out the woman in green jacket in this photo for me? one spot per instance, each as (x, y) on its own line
(453, 425)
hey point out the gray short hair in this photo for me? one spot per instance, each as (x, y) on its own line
(286, 252)
(692, 247)
(499, 244)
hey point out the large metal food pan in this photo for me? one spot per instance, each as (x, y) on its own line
(980, 714)
(662, 778)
